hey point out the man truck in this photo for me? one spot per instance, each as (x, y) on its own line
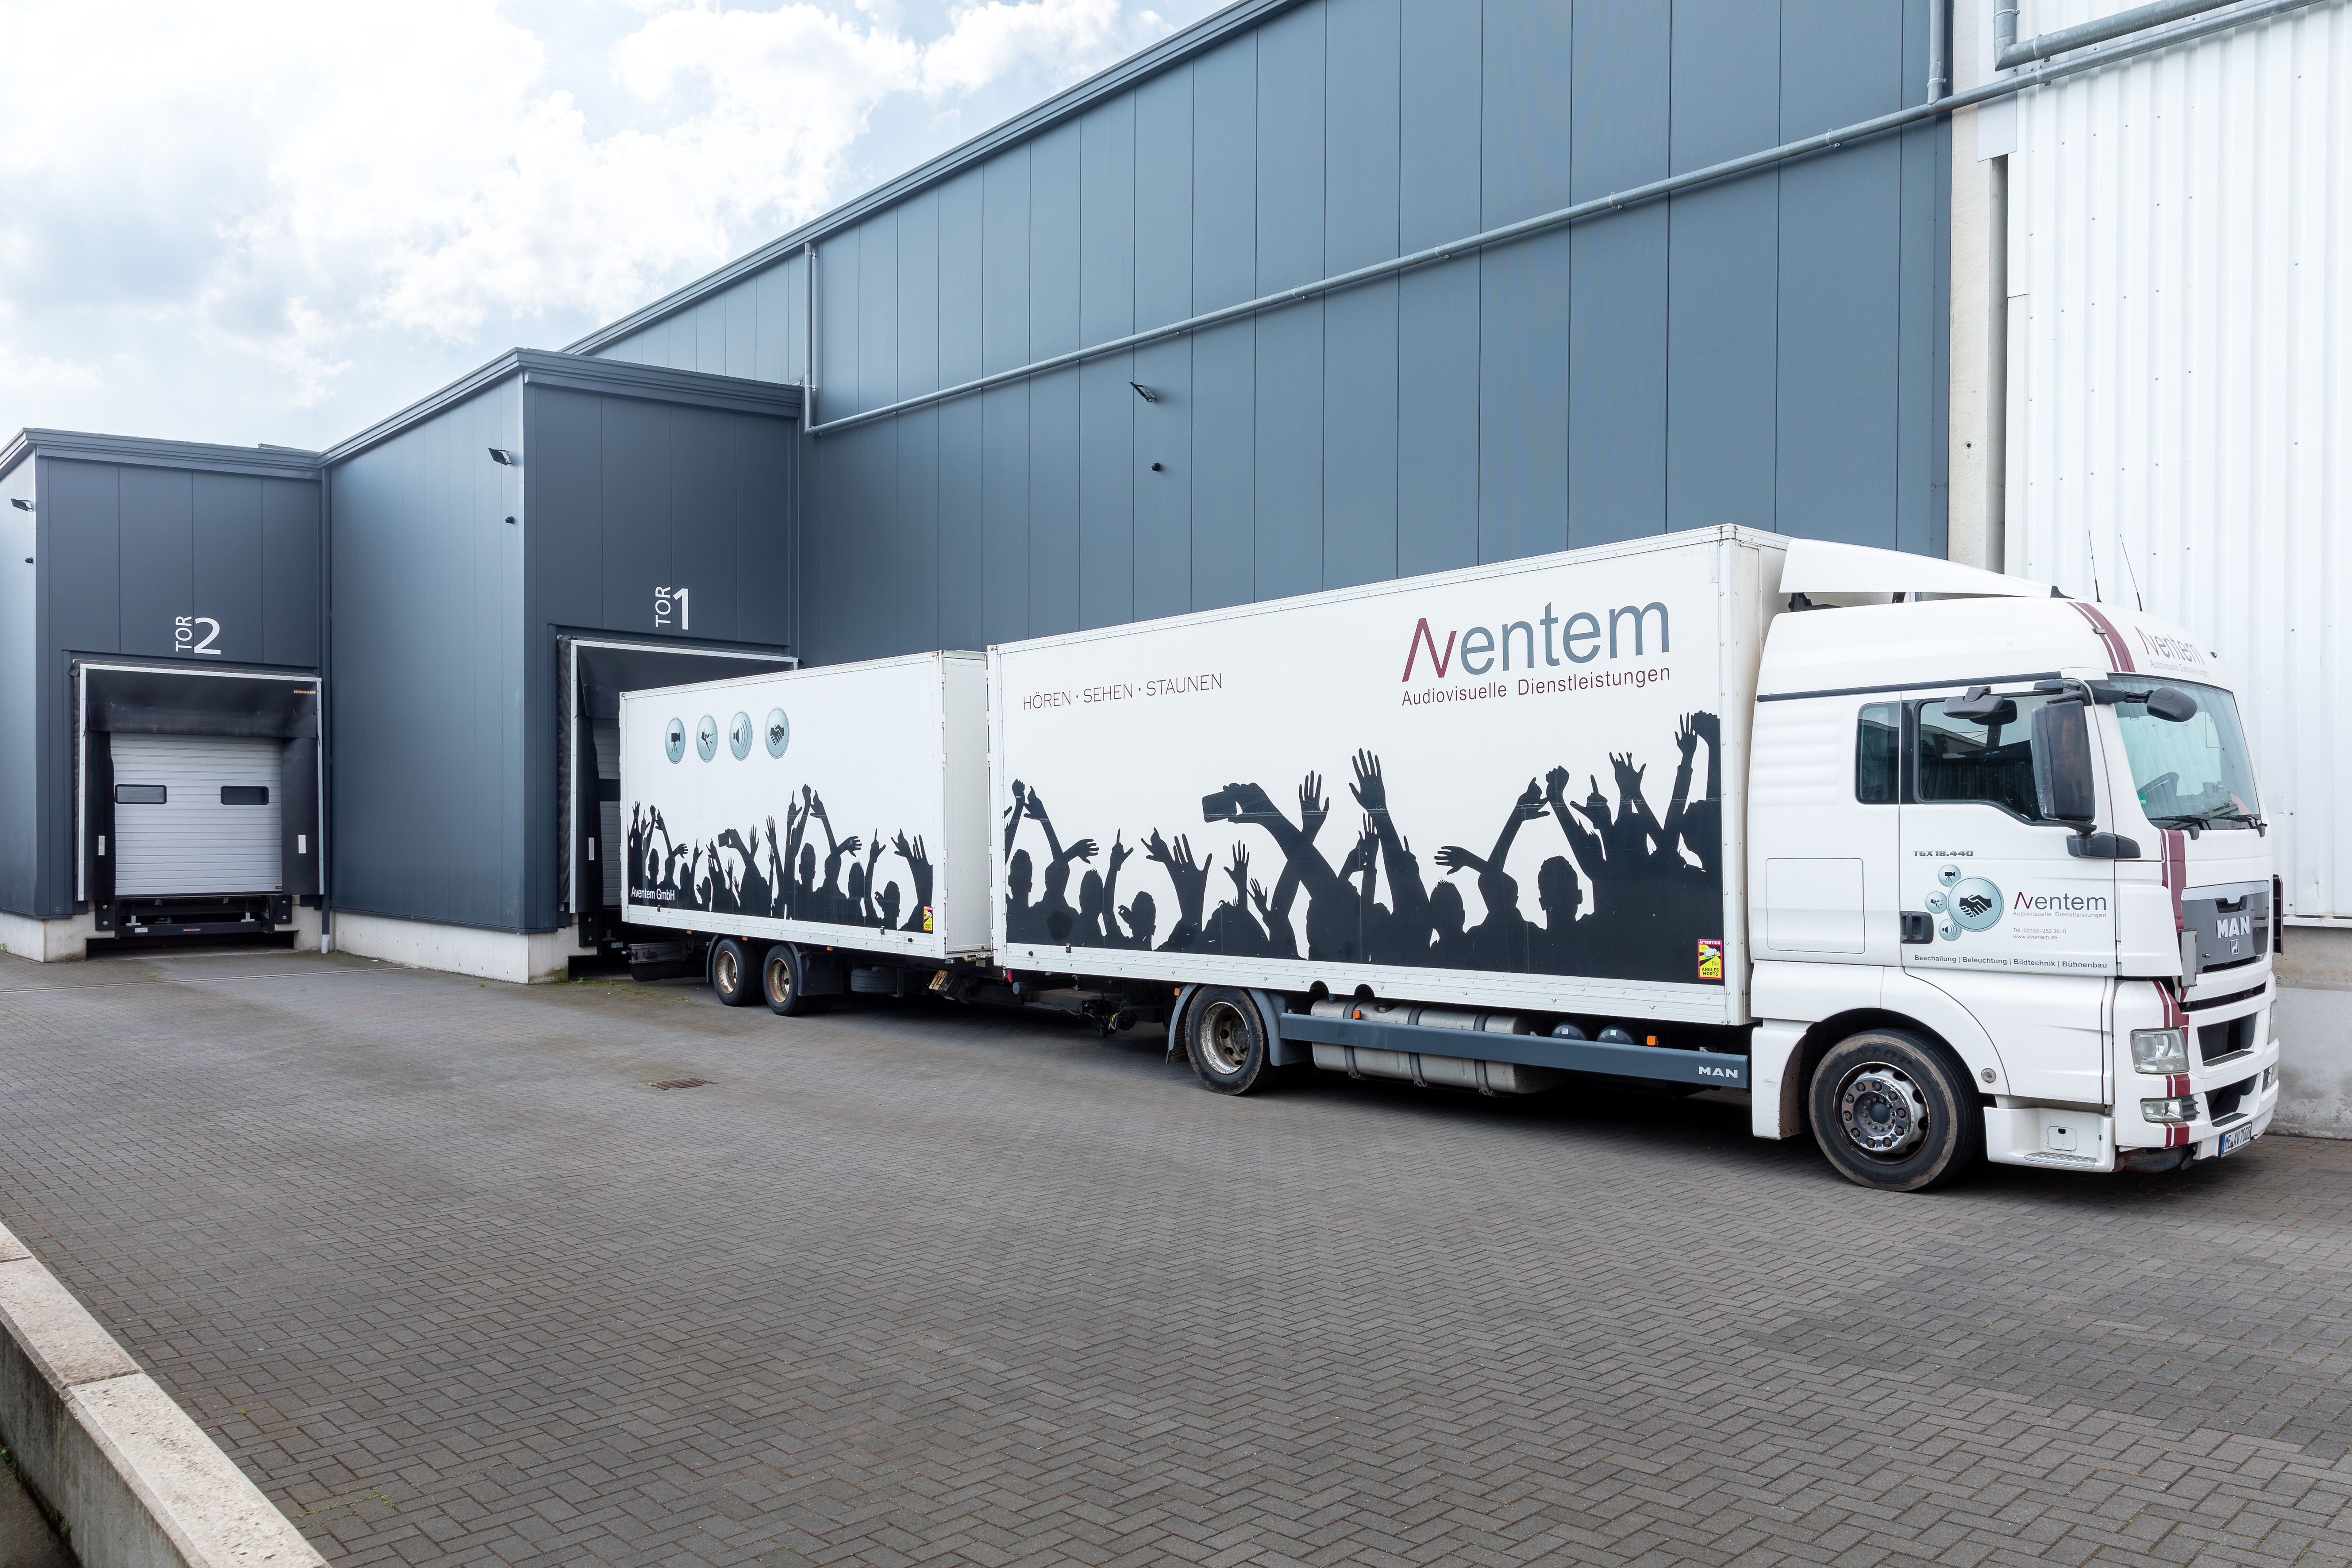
(1936, 863)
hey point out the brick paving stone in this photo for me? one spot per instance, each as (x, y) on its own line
(908, 1285)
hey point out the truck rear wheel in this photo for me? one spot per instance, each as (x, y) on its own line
(733, 967)
(781, 982)
(1892, 1112)
(1224, 1035)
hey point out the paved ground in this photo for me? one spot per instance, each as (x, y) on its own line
(455, 1286)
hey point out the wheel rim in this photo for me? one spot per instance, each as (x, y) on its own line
(1885, 1114)
(1225, 1038)
(727, 972)
(780, 980)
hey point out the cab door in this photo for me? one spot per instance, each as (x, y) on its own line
(1987, 883)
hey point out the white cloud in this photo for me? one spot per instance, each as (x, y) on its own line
(283, 195)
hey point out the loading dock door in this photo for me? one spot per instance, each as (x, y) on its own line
(196, 814)
(595, 671)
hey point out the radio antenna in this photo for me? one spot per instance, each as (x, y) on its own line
(2133, 572)
(2092, 551)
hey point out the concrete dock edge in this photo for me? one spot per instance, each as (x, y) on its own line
(135, 1481)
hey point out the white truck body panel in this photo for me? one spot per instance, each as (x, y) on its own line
(893, 755)
(1471, 687)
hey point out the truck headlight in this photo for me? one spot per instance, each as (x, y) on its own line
(2180, 1108)
(2160, 1051)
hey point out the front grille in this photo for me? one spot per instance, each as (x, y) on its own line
(2215, 1041)
(2232, 1100)
(2199, 1006)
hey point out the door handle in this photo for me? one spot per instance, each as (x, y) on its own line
(1918, 926)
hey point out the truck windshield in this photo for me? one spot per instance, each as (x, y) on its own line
(2194, 774)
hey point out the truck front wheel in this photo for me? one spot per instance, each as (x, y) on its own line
(782, 982)
(1891, 1112)
(732, 965)
(1224, 1035)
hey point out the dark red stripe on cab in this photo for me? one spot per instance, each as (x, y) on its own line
(2119, 654)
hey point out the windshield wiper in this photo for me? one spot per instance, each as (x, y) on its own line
(2260, 828)
(2192, 826)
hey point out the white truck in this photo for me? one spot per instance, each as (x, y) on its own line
(1932, 861)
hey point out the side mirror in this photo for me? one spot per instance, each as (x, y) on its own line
(2063, 777)
(2172, 705)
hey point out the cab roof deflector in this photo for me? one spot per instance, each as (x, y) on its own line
(1819, 566)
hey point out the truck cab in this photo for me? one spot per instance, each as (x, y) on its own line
(2009, 887)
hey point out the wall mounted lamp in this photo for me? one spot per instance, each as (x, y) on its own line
(1144, 392)
(20, 503)
(501, 456)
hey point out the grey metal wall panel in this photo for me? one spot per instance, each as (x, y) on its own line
(1923, 459)
(1440, 128)
(1527, 137)
(1437, 418)
(81, 555)
(915, 573)
(1055, 183)
(1004, 514)
(1107, 481)
(428, 725)
(962, 317)
(702, 466)
(633, 447)
(1224, 175)
(1224, 360)
(1722, 381)
(1841, 249)
(877, 343)
(1359, 392)
(563, 446)
(20, 676)
(1287, 506)
(1620, 56)
(1163, 501)
(159, 557)
(1004, 440)
(292, 624)
(1107, 400)
(227, 566)
(1224, 480)
(765, 524)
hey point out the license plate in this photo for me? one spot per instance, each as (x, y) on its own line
(2236, 1139)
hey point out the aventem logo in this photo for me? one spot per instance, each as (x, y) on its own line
(1578, 640)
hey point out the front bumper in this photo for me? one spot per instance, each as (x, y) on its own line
(2236, 1092)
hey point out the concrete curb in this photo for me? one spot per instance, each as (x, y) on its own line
(137, 1483)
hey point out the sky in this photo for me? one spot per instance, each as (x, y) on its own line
(257, 222)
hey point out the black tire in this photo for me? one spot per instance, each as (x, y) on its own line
(734, 971)
(782, 979)
(1894, 1112)
(1224, 1035)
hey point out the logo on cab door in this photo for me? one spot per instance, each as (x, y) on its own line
(1963, 903)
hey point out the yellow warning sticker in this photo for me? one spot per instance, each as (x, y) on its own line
(1710, 959)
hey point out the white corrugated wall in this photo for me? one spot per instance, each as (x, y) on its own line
(2179, 287)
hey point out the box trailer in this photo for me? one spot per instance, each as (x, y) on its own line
(1930, 861)
(790, 817)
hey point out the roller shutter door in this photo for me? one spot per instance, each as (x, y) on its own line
(215, 829)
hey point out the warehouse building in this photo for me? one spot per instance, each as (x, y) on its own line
(1319, 293)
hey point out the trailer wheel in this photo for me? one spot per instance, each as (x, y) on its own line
(732, 966)
(1892, 1112)
(1224, 1035)
(781, 982)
